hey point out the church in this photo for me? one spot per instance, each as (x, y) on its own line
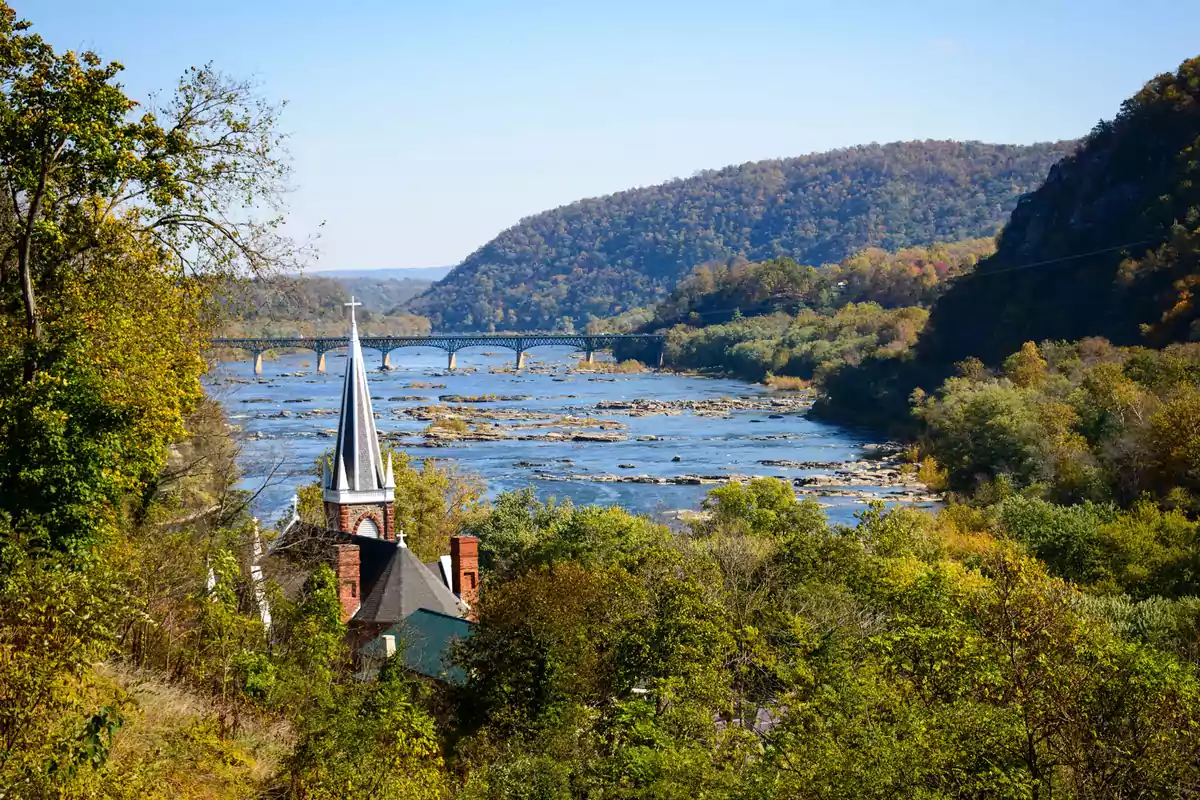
(389, 598)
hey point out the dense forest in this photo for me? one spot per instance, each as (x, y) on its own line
(607, 255)
(1034, 638)
(1106, 248)
(779, 318)
(313, 305)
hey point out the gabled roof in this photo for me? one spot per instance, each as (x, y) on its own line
(357, 465)
(404, 586)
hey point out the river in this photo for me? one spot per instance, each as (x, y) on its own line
(288, 413)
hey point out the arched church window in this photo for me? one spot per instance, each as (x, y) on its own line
(367, 527)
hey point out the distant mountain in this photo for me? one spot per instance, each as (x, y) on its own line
(399, 273)
(314, 305)
(606, 255)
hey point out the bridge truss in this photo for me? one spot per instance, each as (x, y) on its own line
(451, 343)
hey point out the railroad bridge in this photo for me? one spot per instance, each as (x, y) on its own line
(519, 343)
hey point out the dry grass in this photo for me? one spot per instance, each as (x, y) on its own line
(627, 367)
(451, 424)
(786, 383)
(179, 744)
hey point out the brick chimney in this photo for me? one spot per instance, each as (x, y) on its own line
(464, 569)
(346, 567)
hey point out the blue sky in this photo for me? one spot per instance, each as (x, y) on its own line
(420, 130)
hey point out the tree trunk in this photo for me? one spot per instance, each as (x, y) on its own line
(32, 323)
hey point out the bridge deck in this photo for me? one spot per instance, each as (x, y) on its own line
(450, 342)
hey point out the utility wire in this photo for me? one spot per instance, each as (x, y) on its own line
(1064, 259)
(956, 279)
(960, 278)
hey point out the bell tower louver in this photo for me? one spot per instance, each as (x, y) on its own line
(359, 490)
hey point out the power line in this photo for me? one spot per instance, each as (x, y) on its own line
(1061, 260)
(956, 279)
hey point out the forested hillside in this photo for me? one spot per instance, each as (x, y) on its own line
(1034, 638)
(1108, 247)
(315, 306)
(1102, 248)
(610, 254)
(784, 319)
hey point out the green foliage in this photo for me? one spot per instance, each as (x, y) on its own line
(612, 254)
(1110, 225)
(520, 532)
(369, 740)
(762, 507)
(312, 639)
(1143, 552)
(913, 276)
(804, 346)
(56, 717)
(867, 661)
(781, 319)
(1082, 421)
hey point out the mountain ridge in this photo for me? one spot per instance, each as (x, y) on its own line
(604, 255)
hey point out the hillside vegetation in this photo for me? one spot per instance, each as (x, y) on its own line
(607, 255)
(315, 306)
(1103, 248)
(1108, 247)
(784, 319)
(1038, 637)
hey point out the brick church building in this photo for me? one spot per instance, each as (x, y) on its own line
(387, 594)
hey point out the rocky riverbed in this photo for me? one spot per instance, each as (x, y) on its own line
(650, 442)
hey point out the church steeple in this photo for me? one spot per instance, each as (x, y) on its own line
(356, 480)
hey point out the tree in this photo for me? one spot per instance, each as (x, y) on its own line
(73, 158)
(108, 227)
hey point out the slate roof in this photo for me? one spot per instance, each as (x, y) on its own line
(397, 585)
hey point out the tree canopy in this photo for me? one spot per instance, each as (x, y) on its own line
(1102, 248)
(606, 255)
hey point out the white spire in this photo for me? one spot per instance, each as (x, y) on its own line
(358, 473)
(389, 480)
(342, 486)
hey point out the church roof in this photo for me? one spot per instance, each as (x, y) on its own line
(357, 465)
(402, 587)
(427, 638)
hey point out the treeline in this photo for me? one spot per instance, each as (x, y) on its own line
(780, 318)
(603, 256)
(315, 306)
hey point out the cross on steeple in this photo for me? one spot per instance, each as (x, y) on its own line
(352, 306)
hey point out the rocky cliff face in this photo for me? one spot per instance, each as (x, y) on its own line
(1057, 270)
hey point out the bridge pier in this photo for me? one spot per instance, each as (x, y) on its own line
(321, 363)
(589, 356)
(258, 354)
(520, 359)
(387, 359)
(451, 362)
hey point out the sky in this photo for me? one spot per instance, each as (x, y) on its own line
(420, 130)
